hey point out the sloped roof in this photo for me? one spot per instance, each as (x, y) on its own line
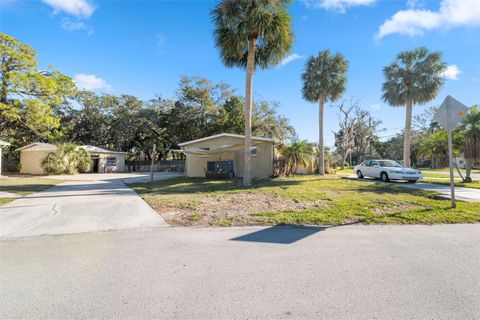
(38, 146)
(231, 135)
(93, 149)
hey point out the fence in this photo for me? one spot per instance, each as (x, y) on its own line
(158, 166)
(10, 165)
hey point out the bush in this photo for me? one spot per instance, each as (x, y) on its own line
(68, 159)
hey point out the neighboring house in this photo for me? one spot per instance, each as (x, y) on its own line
(103, 160)
(223, 155)
(3, 144)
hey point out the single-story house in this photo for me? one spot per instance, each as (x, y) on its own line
(103, 160)
(224, 154)
(2, 145)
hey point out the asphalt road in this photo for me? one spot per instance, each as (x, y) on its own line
(350, 272)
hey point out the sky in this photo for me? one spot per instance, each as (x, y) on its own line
(143, 47)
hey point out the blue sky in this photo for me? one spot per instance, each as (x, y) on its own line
(143, 47)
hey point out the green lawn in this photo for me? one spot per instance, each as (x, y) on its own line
(330, 200)
(24, 185)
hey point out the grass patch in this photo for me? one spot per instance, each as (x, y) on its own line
(24, 185)
(298, 200)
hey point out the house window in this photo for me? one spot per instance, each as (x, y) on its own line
(111, 162)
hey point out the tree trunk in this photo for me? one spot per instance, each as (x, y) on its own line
(408, 129)
(344, 158)
(468, 170)
(321, 164)
(247, 169)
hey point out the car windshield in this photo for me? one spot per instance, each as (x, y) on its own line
(389, 163)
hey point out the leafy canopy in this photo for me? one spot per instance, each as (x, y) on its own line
(265, 21)
(324, 77)
(415, 76)
(28, 96)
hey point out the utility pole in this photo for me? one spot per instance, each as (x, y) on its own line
(153, 161)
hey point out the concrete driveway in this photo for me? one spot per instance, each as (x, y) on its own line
(461, 193)
(350, 272)
(91, 203)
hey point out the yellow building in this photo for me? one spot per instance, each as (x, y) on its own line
(31, 158)
(223, 155)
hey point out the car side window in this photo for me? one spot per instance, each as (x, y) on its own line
(366, 164)
(373, 163)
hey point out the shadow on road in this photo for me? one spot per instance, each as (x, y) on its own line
(280, 234)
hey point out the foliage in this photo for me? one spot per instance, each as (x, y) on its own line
(345, 138)
(250, 34)
(470, 131)
(29, 98)
(324, 79)
(68, 159)
(264, 21)
(295, 154)
(415, 77)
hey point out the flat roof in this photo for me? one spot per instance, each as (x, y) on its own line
(230, 135)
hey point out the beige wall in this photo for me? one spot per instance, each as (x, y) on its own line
(262, 162)
(120, 163)
(31, 161)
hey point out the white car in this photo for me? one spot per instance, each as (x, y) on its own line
(387, 170)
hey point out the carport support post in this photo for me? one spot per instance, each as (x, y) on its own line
(153, 161)
(450, 157)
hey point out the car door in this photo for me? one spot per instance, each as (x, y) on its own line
(374, 169)
(365, 167)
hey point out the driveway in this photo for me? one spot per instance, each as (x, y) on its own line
(88, 203)
(350, 272)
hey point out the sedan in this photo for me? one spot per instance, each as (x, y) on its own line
(387, 170)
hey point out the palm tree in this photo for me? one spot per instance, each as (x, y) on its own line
(415, 77)
(251, 34)
(68, 159)
(297, 153)
(324, 80)
(470, 129)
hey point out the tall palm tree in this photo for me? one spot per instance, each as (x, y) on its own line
(251, 34)
(324, 80)
(470, 129)
(415, 77)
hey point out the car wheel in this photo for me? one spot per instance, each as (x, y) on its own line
(384, 177)
(412, 181)
(359, 174)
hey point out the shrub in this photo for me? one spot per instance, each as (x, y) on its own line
(68, 159)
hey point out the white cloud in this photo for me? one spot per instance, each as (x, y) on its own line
(69, 25)
(376, 106)
(339, 6)
(78, 8)
(91, 82)
(289, 58)
(452, 72)
(414, 22)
